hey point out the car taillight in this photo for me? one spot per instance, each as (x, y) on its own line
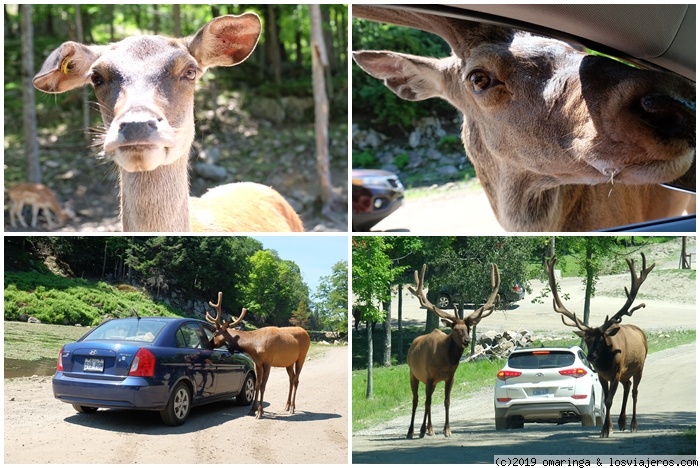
(144, 364)
(503, 375)
(59, 363)
(578, 372)
(503, 400)
(579, 397)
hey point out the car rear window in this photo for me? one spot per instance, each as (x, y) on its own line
(540, 359)
(127, 330)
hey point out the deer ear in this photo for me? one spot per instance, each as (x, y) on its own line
(409, 77)
(579, 333)
(448, 323)
(225, 41)
(67, 67)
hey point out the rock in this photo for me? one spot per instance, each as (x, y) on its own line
(33, 320)
(210, 171)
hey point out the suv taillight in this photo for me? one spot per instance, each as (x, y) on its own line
(506, 374)
(59, 363)
(578, 372)
(144, 364)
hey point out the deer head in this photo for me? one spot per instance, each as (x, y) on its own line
(461, 328)
(222, 335)
(540, 115)
(598, 339)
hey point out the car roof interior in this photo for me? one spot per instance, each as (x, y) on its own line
(653, 35)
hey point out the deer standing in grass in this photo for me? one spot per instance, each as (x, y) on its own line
(434, 357)
(268, 347)
(40, 197)
(616, 351)
(549, 128)
(145, 91)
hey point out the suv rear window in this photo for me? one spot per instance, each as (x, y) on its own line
(541, 359)
(127, 330)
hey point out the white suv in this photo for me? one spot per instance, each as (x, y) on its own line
(548, 385)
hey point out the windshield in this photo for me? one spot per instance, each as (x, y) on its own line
(541, 359)
(127, 330)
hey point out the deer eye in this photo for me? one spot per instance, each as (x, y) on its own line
(479, 81)
(96, 79)
(190, 74)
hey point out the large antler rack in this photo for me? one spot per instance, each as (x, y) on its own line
(631, 294)
(480, 313)
(557, 302)
(217, 321)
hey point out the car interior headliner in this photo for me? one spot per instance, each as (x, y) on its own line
(660, 35)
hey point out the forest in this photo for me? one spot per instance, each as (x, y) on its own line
(82, 280)
(254, 122)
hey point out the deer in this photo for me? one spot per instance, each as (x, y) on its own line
(617, 352)
(268, 347)
(434, 357)
(40, 197)
(560, 140)
(145, 87)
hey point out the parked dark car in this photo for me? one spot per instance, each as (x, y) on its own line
(375, 195)
(449, 295)
(151, 363)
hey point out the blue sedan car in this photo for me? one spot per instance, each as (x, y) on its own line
(151, 363)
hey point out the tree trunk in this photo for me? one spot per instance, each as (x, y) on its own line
(28, 101)
(370, 358)
(400, 317)
(386, 361)
(272, 43)
(431, 320)
(80, 34)
(318, 63)
(177, 22)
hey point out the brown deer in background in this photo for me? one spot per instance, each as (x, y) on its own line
(268, 347)
(549, 128)
(144, 87)
(616, 351)
(39, 197)
(434, 357)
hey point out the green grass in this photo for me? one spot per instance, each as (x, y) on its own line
(392, 393)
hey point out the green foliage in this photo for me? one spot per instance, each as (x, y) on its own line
(331, 299)
(64, 301)
(371, 100)
(364, 159)
(401, 161)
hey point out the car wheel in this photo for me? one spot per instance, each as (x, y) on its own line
(179, 405)
(501, 424)
(444, 301)
(247, 394)
(85, 409)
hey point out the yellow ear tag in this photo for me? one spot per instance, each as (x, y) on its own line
(66, 65)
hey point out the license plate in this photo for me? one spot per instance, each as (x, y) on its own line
(94, 365)
(540, 392)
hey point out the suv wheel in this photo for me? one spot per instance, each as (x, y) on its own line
(444, 301)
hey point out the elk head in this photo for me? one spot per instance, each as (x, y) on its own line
(222, 336)
(598, 339)
(461, 328)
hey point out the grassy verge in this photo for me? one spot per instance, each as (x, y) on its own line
(392, 393)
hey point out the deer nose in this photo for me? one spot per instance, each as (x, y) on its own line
(138, 130)
(669, 117)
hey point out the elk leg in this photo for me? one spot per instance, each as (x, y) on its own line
(429, 389)
(622, 422)
(414, 390)
(448, 388)
(633, 426)
(297, 370)
(609, 395)
(258, 380)
(266, 374)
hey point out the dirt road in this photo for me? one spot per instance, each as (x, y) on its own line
(666, 407)
(40, 429)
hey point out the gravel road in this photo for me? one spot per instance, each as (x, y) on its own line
(40, 429)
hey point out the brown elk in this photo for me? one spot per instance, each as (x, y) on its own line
(145, 87)
(549, 128)
(268, 347)
(434, 357)
(616, 351)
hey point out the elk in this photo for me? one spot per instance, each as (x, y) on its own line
(616, 351)
(549, 128)
(40, 197)
(434, 357)
(268, 347)
(145, 87)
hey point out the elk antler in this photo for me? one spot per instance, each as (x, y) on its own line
(217, 321)
(490, 305)
(419, 292)
(631, 293)
(557, 302)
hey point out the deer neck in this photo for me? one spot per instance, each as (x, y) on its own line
(157, 200)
